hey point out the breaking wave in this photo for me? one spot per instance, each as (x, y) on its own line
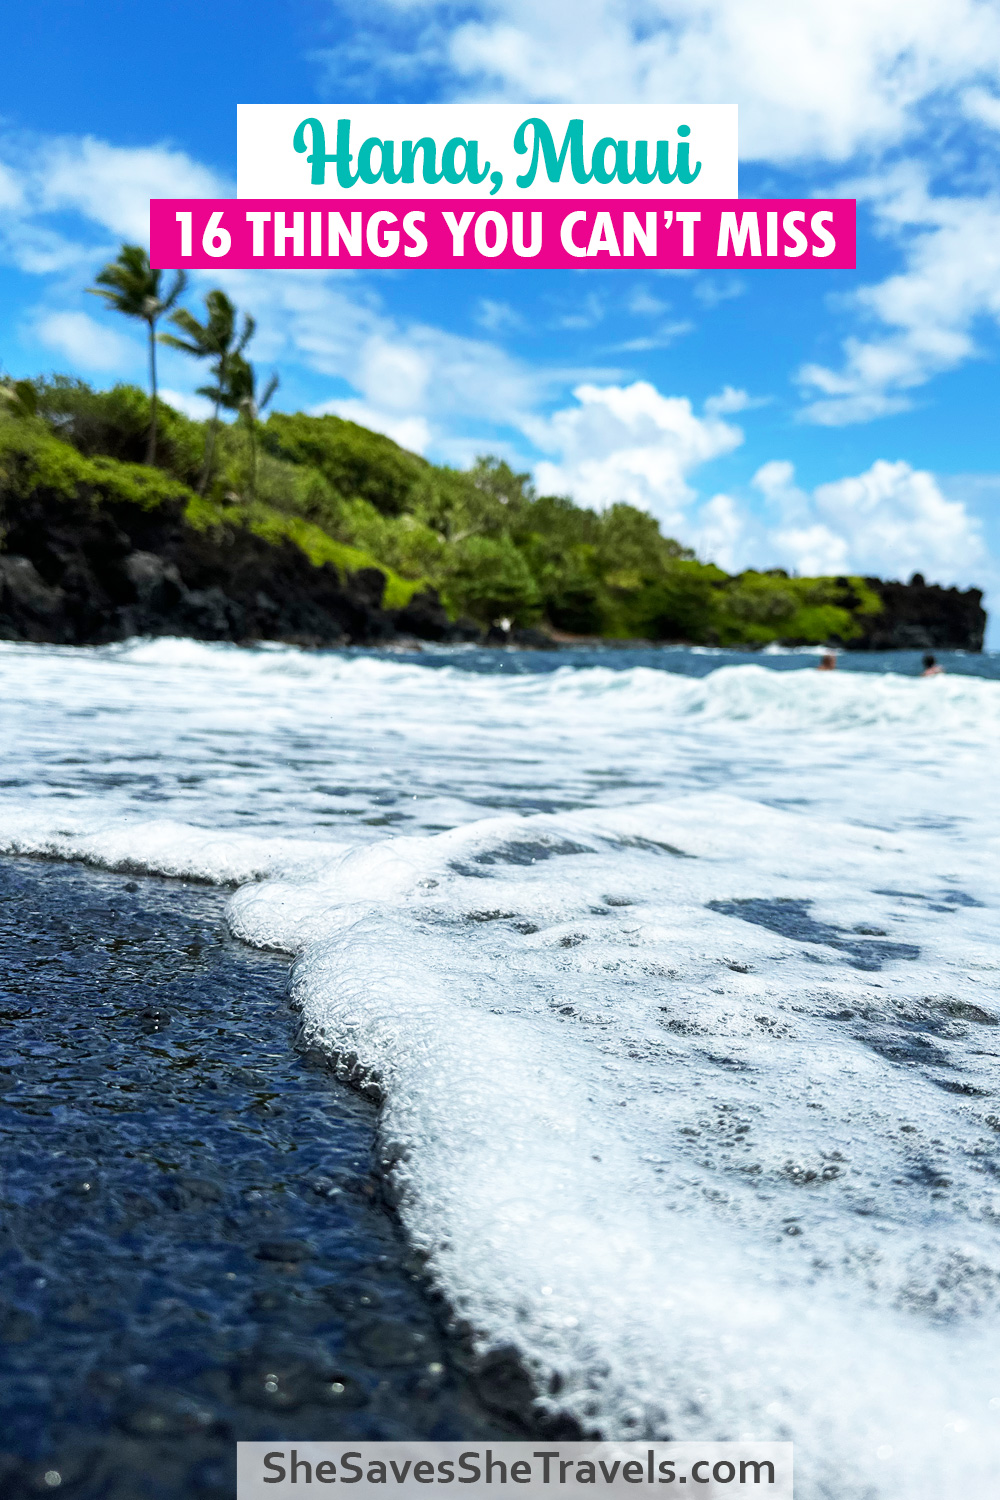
(680, 993)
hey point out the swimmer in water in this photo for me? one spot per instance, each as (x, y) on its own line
(827, 662)
(932, 668)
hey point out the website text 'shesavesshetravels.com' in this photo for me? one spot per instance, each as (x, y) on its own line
(608, 1469)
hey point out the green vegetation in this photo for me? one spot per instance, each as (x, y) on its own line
(354, 498)
(57, 451)
(484, 538)
(130, 285)
(218, 340)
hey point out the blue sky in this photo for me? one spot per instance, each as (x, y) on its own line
(824, 421)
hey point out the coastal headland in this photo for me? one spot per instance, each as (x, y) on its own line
(316, 531)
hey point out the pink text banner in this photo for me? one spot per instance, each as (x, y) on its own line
(559, 234)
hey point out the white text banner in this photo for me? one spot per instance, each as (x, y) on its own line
(520, 151)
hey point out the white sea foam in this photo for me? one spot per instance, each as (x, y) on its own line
(691, 1078)
(332, 746)
(714, 1179)
(164, 847)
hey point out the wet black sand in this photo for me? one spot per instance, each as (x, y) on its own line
(194, 1247)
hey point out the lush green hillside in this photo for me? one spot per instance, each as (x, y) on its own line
(483, 538)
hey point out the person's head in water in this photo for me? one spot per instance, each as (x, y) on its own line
(827, 662)
(931, 667)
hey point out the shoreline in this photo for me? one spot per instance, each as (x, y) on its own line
(77, 573)
(249, 1299)
(628, 908)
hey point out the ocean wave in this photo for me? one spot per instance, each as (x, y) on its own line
(745, 694)
(608, 1040)
(162, 846)
(689, 1079)
(748, 694)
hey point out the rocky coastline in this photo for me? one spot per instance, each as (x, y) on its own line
(920, 616)
(76, 574)
(72, 573)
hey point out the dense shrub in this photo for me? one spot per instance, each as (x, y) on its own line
(354, 461)
(115, 424)
(343, 495)
(489, 579)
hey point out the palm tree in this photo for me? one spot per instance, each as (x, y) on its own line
(240, 395)
(216, 339)
(131, 286)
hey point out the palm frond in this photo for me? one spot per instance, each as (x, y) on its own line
(188, 347)
(249, 329)
(269, 390)
(176, 291)
(128, 283)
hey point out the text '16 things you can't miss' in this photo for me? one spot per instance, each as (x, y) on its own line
(503, 186)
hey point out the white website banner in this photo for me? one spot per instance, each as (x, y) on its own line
(523, 151)
(555, 1471)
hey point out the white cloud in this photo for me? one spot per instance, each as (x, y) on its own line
(497, 316)
(642, 303)
(716, 532)
(38, 249)
(929, 309)
(711, 293)
(396, 366)
(982, 106)
(107, 187)
(895, 517)
(817, 551)
(818, 83)
(419, 384)
(66, 201)
(112, 185)
(87, 343)
(628, 443)
(394, 373)
(661, 337)
(826, 78)
(587, 312)
(198, 408)
(11, 192)
(890, 521)
(730, 400)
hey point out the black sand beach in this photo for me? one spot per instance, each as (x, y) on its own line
(194, 1245)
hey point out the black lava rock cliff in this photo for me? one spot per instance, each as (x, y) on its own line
(919, 616)
(76, 574)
